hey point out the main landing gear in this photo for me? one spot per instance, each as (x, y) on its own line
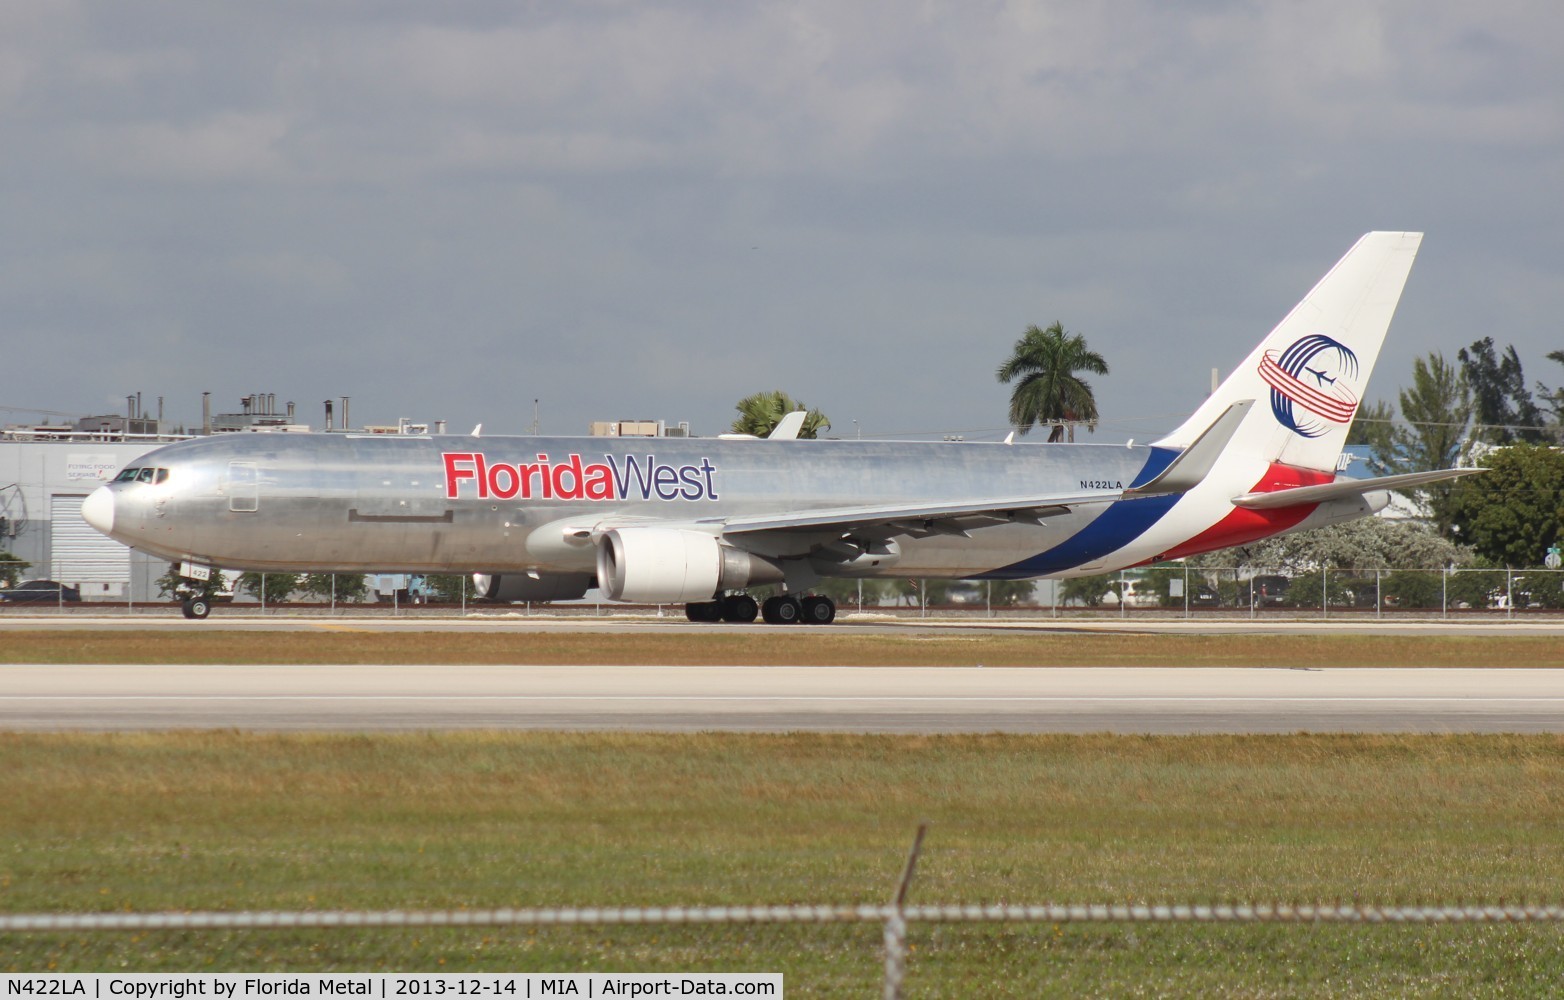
(733, 608)
(784, 609)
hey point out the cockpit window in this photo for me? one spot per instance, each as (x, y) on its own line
(148, 475)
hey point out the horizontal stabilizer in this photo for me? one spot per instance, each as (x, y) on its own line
(1343, 488)
(1194, 462)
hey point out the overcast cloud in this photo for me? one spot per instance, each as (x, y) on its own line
(633, 210)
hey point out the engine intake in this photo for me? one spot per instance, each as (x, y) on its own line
(669, 565)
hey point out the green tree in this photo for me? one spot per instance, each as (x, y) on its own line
(1438, 413)
(1504, 408)
(1512, 513)
(760, 413)
(1050, 390)
(345, 588)
(1011, 593)
(1374, 425)
(448, 588)
(1366, 543)
(1477, 587)
(277, 586)
(1088, 590)
(1437, 410)
(1553, 403)
(1304, 590)
(1414, 589)
(924, 592)
(844, 591)
(11, 569)
(176, 587)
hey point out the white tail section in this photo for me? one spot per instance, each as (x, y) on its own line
(1308, 376)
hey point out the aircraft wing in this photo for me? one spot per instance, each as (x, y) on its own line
(1343, 488)
(1184, 473)
(1026, 509)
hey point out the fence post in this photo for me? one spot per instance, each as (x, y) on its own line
(1379, 598)
(1122, 595)
(464, 595)
(1186, 590)
(896, 922)
(263, 593)
(1324, 591)
(1444, 592)
(1509, 592)
(333, 593)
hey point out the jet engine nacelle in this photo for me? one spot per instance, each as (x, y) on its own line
(669, 565)
(507, 588)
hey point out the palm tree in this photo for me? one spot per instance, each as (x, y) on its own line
(759, 413)
(1050, 391)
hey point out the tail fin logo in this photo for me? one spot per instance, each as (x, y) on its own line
(1312, 384)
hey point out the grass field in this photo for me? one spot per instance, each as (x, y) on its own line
(150, 822)
(340, 644)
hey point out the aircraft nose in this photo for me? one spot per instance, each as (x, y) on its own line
(98, 509)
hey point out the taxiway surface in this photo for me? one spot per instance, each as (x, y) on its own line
(782, 698)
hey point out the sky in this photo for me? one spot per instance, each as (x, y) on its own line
(649, 210)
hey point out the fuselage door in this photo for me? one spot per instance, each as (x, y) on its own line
(242, 486)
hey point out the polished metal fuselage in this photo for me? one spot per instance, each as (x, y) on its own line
(355, 503)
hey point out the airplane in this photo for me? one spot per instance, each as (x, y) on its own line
(699, 521)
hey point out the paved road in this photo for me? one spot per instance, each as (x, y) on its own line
(825, 699)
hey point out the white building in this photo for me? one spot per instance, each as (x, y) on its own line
(42, 485)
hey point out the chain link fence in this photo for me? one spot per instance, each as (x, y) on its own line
(851, 946)
(1162, 591)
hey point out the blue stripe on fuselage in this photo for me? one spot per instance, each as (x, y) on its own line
(1123, 522)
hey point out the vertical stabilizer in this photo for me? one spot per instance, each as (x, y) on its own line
(1309, 375)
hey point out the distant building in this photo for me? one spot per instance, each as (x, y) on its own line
(639, 428)
(42, 485)
(48, 469)
(258, 412)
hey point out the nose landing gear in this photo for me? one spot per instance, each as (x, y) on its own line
(196, 607)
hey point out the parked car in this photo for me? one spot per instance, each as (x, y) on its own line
(40, 591)
(1270, 590)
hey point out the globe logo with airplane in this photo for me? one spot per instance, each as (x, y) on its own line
(1312, 384)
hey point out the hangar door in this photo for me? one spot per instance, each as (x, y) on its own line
(79, 554)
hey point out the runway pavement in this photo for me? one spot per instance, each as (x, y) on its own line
(783, 698)
(850, 624)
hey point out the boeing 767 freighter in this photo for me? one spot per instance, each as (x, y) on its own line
(697, 521)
